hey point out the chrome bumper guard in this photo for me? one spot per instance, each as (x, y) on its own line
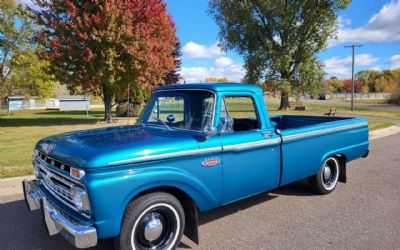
(80, 236)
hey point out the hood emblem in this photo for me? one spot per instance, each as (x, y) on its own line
(48, 148)
(210, 162)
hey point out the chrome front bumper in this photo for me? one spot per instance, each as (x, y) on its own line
(79, 235)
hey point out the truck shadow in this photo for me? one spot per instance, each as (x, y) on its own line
(21, 229)
(299, 188)
(235, 207)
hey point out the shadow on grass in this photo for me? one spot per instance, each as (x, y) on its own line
(49, 118)
(72, 112)
(26, 122)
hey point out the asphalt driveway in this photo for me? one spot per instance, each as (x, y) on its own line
(362, 214)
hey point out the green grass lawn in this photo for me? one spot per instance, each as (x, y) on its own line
(374, 125)
(391, 114)
(365, 101)
(19, 131)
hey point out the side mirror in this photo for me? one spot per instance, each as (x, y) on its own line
(170, 118)
(208, 131)
(226, 125)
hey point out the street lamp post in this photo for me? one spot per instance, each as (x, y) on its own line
(352, 73)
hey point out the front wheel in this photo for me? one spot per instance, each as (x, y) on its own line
(152, 221)
(326, 179)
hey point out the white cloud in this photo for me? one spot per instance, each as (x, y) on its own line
(381, 27)
(343, 22)
(223, 61)
(224, 67)
(195, 50)
(377, 68)
(395, 61)
(341, 67)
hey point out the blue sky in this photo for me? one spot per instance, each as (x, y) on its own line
(374, 24)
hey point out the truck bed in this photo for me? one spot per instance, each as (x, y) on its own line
(284, 122)
(308, 140)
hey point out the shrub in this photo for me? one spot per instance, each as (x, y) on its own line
(395, 98)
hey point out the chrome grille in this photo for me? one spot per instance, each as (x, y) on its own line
(59, 185)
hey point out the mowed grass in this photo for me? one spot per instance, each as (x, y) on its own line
(366, 101)
(19, 132)
(391, 114)
(374, 125)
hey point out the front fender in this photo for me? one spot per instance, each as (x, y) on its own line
(111, 191)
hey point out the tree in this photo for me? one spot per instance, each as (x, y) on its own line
(216, 79)
(15, 36)
(368, 77)
(334, 85)
(358, 84)
(173, 75)
(102, 46)
(385, 83)
(279, 40)
(31, 74)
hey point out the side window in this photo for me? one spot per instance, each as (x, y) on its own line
(242, 111)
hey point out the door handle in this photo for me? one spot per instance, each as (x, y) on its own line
(267, 134)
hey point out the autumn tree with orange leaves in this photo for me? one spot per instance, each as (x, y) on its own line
(102, 46)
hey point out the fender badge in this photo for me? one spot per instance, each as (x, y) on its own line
(210, 162)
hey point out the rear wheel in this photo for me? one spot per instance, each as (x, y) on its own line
(153, 221)
(326, 179)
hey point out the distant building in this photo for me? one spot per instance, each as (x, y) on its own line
(15, 102)
(74, 102)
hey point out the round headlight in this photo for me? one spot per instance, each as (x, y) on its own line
(79, 198)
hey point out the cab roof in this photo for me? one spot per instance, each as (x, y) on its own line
(217, 87)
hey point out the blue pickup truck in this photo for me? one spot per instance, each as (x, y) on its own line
(195, 147)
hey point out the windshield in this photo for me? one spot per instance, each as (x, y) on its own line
(179, 109)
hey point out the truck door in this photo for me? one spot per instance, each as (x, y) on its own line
(251, 152)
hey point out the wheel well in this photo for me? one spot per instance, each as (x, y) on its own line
(342, 165)
(189, 207)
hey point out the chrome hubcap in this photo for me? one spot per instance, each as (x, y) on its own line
(330, 173)
(153, 226)
(327, 173)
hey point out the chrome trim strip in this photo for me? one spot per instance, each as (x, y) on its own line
(59, 173)
(192, 152)
(322, 132)
(252, 145)
(51, 173)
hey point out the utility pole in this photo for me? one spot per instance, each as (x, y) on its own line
(129, 104)
(352, 73)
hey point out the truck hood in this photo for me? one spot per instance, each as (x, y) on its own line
(116, 145)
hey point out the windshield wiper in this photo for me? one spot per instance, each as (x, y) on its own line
(161, 121)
